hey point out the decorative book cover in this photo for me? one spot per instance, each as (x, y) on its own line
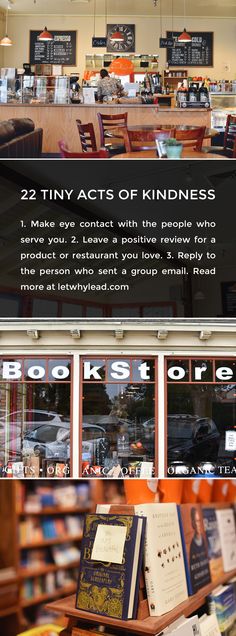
(194, 547)
(213, 543)
(163, 558)
(110, 566)
(226, 524)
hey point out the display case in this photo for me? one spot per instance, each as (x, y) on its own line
(35, 89)
(222, 104)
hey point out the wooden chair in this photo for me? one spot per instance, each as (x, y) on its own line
(106, 123)
(193, 137)
(68, 154)
(87, 136)
(137, 140)
(229, 147)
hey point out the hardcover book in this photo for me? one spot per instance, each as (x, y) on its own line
(195, 550)
(184, 627)
(163, 558)
(209, 625)
(213, 543)
(110, 566)
(227, 531)
(222, 603)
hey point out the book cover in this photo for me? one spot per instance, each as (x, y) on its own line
(195, 550)
(110, 566)
(209, 625)
(163, 558)
(184, 627)
(213, 543)
(222, 602)
(227, 531)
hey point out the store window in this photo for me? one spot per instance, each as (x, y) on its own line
(201, 416)
(35, 417)
(119, 415)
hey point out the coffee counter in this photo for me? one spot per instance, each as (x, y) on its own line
(58, 121)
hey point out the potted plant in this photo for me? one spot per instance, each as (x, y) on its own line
(173, 148)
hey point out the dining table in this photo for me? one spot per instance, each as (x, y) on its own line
(187, 153)
(148, 129)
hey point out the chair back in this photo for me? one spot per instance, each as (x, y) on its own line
(68, 154)
(138, 140)
(87, 136)
(193, 137)
(230, 137)
(106, 122)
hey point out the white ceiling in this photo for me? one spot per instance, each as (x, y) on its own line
(132, 8)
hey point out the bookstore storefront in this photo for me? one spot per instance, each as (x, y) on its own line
(150, 398)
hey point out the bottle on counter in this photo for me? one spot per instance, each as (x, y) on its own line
(192, 93)
(203, 94)
(167, 89)
(181, 95)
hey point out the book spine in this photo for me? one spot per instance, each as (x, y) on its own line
(186, 563)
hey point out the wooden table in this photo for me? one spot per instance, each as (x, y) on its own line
(188, 153)
(210, 133)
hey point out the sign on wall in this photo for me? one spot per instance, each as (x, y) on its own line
(60, 50)
(198, 52)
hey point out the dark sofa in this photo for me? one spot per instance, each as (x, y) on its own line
(19, 139)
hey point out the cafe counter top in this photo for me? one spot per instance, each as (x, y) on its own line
(62, 125)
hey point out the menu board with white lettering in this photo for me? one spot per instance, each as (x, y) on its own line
(198, 52)
(60, 50)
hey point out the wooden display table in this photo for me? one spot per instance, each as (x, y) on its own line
(79, 622)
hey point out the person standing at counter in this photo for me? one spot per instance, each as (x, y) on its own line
(108, 86)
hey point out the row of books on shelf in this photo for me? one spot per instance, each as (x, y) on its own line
(57, 555)
(183, 549)
(60, 496)
(47, 584)
(33, 530)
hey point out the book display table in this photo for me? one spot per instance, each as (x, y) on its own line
(85, 624)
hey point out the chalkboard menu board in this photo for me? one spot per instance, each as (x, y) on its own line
(198, 52)
(60, 50)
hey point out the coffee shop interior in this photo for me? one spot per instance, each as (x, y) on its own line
(117, 79)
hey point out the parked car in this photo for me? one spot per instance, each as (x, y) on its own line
(192, 439)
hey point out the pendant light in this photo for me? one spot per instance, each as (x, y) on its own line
(45, 36)
(6, 41)
(117, 37)
(184, 37)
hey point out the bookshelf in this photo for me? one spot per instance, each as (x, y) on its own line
(37, 583)
(174, 77)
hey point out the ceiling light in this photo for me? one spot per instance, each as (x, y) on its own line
(117, 37)
(45, 36)
(6, 41)
(184, 36)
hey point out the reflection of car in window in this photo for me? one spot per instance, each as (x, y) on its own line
(45, 433)
(192, 439)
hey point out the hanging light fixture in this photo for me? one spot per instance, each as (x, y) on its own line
(6, 41)
(117, 37)
(184, 36)
(45, 36)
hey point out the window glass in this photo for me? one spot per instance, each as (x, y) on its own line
(200, 419)
(94, 370)
(34, 425)
(118, 428)
(59, 370)
(202, 371)
(177, 370)
(35, 370)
